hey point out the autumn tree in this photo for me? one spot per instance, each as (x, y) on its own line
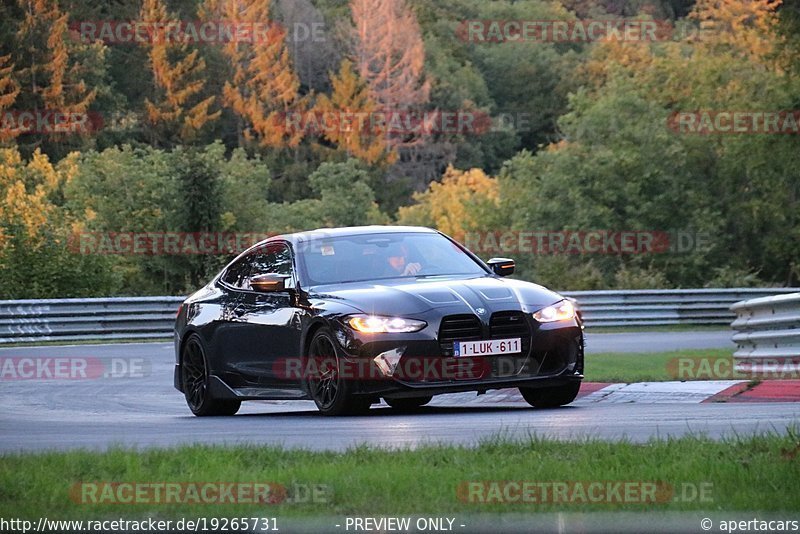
(35, 230)
(9, 89)
(262, 87)
(748, 28)
(363, 139)
(47, 72)
(389, 53)
(178, 78)
(457, 204)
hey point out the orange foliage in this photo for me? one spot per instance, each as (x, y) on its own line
(50, 72)
(455, 204)
(389, 52)
(178, 77)
(263, 85)
(745, 26)
(25, 191)
(351, 96)
(9, 89)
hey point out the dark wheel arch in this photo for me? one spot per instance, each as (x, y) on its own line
(195, 378)
(332, 393)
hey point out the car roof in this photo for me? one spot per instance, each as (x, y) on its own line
(298, 238)
(310, 235)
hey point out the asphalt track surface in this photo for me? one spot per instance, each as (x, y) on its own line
(146, 411)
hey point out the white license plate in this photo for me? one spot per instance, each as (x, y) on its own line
(489, 347)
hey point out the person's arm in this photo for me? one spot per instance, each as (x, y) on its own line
(412, 269)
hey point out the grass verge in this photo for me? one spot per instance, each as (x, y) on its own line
(744, 473)
(704, 364)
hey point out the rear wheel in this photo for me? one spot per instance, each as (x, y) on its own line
(195, 374)
(551, 397)
(330, 391)
(408, 404)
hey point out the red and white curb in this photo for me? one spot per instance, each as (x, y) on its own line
(659, 392)
(767, 391)
(686, 392)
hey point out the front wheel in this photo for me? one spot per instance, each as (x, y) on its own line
(329, 390)
(551, 397)
(195, 374)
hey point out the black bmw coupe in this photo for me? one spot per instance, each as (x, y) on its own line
(348, 316)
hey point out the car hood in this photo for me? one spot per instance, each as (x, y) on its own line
(452, 294)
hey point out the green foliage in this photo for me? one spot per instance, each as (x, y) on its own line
(588, 148)
(186, 190)
(619, 166)
(344, 198)
(51, 269)
(36, 248)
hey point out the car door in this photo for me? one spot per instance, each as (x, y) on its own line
(270, 322)
(228, 341)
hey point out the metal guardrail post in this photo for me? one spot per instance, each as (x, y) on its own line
(767, 334)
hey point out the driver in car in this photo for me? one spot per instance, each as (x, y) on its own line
(396, 257)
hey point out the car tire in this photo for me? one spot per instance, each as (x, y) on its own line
(195, 377)
(330, 392)
(408, 404)
(551, 397)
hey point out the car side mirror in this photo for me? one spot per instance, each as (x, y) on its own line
(268, 283)
(502, 266)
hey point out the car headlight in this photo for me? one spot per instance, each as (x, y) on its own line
(374, 324)
(560, 311)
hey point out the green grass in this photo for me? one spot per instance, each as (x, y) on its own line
(746, 473)
(654, 366)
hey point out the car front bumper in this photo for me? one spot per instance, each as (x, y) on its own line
(553, 355)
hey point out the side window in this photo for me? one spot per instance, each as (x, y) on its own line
(238, 273)
(275, 259)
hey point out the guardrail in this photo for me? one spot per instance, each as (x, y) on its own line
(80, 319)
(663, 307)
(153, 317)
(767, 334)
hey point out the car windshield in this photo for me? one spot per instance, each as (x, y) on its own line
(360, 258)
